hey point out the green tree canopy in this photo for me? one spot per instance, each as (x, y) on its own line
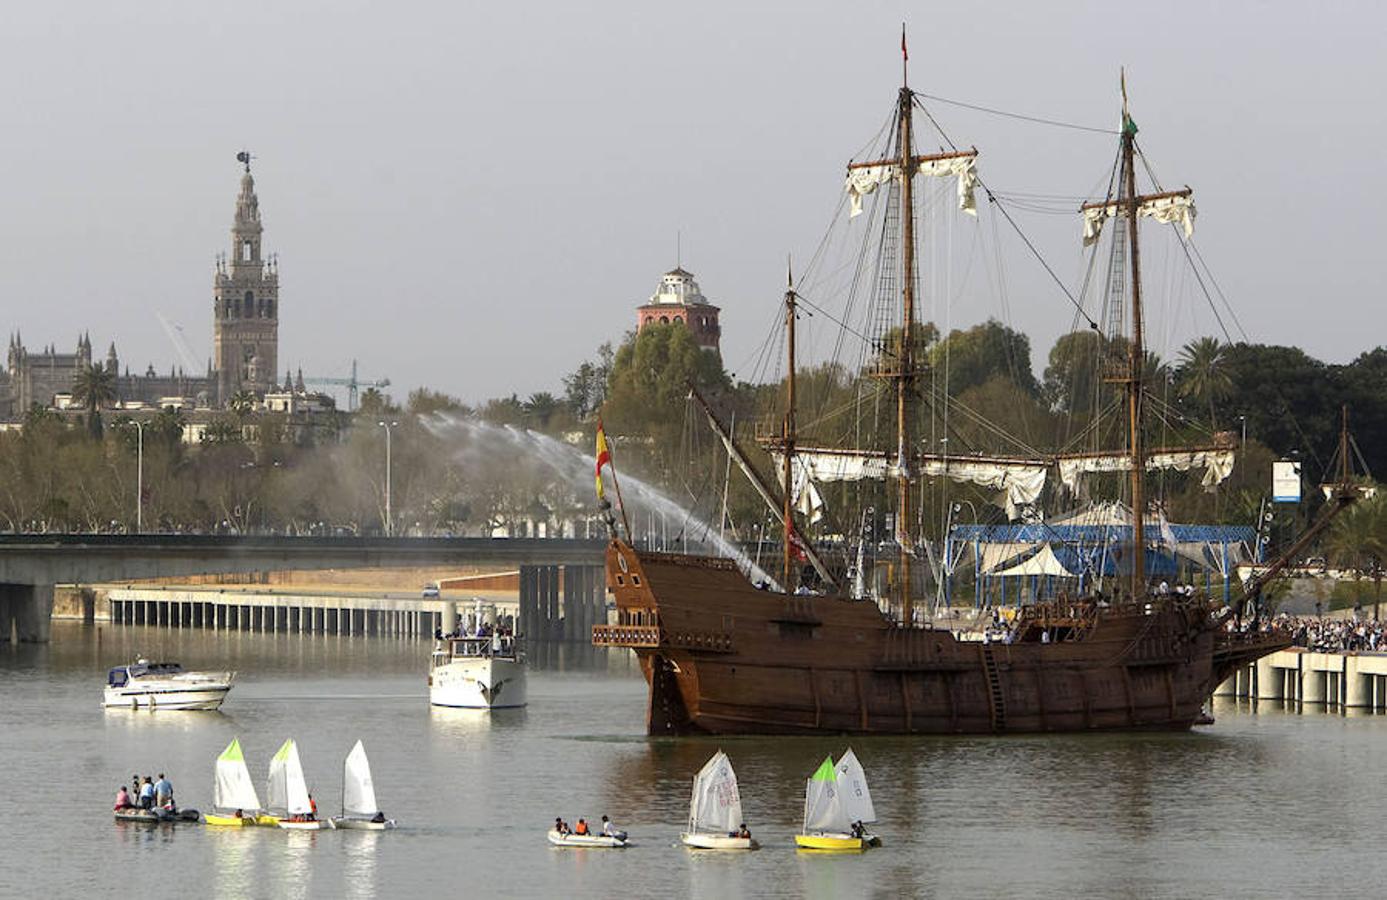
(973, 356)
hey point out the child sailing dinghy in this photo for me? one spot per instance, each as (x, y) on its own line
(288, 791)
(827, 822)
(233, 792)
(715, 809)
(359, 808)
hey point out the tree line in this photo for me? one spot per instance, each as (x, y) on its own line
(254, 470)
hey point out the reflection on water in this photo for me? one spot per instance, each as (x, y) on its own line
(296, 873)
(458, 723)
(1234, 809)
(359, 869)
(231, 855)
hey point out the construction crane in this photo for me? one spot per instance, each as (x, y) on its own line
(352, 384)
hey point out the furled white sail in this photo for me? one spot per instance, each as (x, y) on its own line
(358, 790)
(232, 787)
(823, 809)
(1176, 207)
(1217, 463)
(716, 804)
(288, 791)
(863, 180)
(1017, 482)
(839, 465)
(856, 799)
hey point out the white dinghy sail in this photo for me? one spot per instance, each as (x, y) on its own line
(853, 794)
(823, 807)
(232, 786)
(716, 806)
(358, 790)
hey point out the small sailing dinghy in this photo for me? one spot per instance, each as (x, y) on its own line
(715, 809)
(359, 809)
(233, 791)
(288, 792)
(827, 825)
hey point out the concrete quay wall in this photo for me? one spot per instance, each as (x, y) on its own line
(553, 603)
(1350, 679)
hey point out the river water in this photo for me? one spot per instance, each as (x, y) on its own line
(1259, 805)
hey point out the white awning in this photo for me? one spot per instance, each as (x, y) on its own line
(1043, 562)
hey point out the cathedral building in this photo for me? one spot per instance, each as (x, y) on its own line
(245, 340)
(245, 291)
(677, 300)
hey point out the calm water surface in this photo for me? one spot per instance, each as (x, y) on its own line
(1272, 804)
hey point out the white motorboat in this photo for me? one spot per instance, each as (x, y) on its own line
(359, 808)
(591, 841)
(715, 809)
(165, 685)
(288, 792)
(478, 672)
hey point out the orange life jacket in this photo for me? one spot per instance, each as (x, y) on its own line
(581, 829)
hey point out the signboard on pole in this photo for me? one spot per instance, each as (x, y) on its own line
(1285, 481)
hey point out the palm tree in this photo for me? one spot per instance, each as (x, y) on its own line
(1358, 539)
(94, 387)
(241, 404)
(540, 408)
(1202, 376)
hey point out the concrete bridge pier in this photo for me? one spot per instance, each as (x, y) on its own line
(1358, 690)
(1270, 682)
(1315, 686)
(1244, 681)
(26, 612)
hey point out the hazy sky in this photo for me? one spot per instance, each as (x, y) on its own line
(473, 196)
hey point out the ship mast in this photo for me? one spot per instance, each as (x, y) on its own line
(787, 435)
(1136, 359)
(906, 374)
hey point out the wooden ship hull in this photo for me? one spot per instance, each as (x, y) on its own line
(722, 657)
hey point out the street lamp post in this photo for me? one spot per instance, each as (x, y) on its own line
(1243, 420)
(389, 513)
(139, 477)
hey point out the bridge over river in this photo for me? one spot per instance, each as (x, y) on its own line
(31, 564)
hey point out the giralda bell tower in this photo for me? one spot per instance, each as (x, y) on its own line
(246, 304)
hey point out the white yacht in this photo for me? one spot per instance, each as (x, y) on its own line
(165, 685)
(477, 672)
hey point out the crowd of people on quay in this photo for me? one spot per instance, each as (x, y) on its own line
(1333, 635)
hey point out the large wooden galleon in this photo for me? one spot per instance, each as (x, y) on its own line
(724, 656)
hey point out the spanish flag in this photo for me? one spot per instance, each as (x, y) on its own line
(604, 458)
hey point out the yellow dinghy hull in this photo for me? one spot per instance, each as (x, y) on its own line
(228, 821)
(835, 843)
